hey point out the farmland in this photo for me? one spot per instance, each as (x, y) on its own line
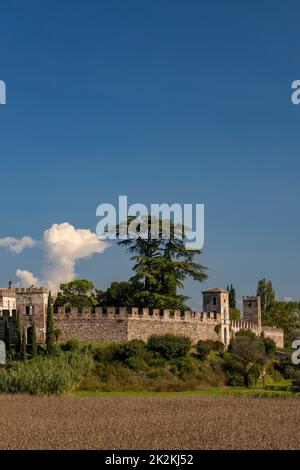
(177, 421)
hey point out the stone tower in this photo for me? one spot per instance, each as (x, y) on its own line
(217, 300)
(252, 310)
(32, 307)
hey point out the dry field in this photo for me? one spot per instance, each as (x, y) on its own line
(149, 423)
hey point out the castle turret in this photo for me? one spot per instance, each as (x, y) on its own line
(252, 310)
(217, 300)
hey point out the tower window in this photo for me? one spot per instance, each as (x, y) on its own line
(214, 300)
(27, 310)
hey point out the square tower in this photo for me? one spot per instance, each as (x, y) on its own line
(216, 300)
(252, 310)
(32, 307)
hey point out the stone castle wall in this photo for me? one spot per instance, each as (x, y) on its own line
(276, 334)
(124, 325)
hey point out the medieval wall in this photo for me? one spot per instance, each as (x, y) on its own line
(276, 334)
(121, 325)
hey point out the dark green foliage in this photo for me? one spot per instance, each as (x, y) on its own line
(120, 294)
(232, 297)
(135, 348)
(32, 341)
(267, 296)
(233, 370)
(23, 354)
(18, 345)
(161, 263)
(203, 349)
(270, 347)
(285, 315)
(71, 345)
(78, 293)
(50, 341)
(7, 338)
(249, 350)
(169, 346)
(218, 346)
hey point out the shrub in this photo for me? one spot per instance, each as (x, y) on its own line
(169, 346)
(270, 346)
(218, 346)
(134, 348)
(71, 345)
(203, 349)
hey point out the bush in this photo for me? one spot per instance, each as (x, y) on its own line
(169, 346)
(71, 345)
(203, 349)
(270, 347)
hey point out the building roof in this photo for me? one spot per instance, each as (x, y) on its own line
(215, 289)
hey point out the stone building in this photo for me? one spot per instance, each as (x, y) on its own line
(123, 324)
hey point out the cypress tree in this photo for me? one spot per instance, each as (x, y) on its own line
(18, 336)
(33, 345)
(50, 327)
(7, 336)
(232, 299)
(23, 346)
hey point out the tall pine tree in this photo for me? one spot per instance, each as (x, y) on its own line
(50, 338)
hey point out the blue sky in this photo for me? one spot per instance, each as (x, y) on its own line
(164, 101)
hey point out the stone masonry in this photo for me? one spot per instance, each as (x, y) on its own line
(123, 324)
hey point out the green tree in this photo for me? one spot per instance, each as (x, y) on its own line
(169, 346)
(18, 344)
(270, 347)
(23, 353)
(249, 350)
(50, 343)
(285, 315)
(120, 294)
(78, 293)
(267, 296)
(234, 314)
(232, 296)
(33, 341)
(161, 261)
(7, 338)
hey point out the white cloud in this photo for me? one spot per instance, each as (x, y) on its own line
(62, 246)
(15, 245)
(27, 278)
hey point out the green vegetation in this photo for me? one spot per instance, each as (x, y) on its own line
(164, 364)
(50, 339)
(78, 293)
(280, 314)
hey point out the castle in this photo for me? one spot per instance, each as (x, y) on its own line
(123, 324)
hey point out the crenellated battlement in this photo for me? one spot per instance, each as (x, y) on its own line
(125, 313)
(31, 290)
